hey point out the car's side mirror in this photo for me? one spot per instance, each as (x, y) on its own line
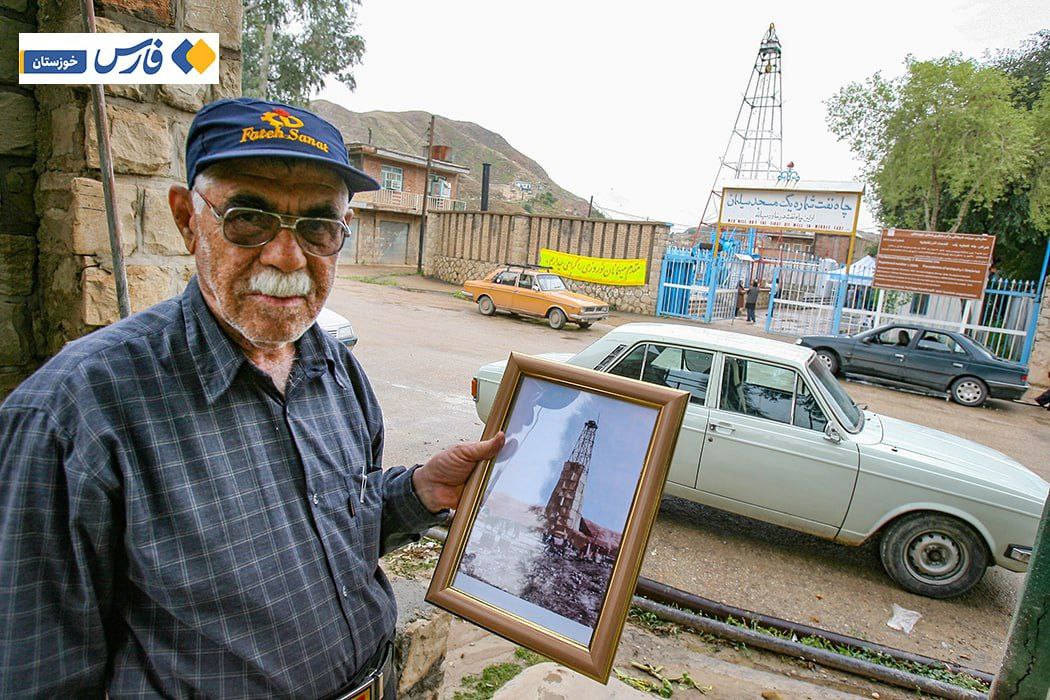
(832, 434)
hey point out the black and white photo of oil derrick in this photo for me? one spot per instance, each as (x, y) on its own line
(548, 532)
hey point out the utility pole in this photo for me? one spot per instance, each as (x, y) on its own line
(486, 171)
(109, 187)
(1026, 666)
(426, 194)
(590, 206)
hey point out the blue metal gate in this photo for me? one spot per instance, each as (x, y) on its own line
(696, 284)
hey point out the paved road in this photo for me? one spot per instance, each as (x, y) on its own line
(420, 350)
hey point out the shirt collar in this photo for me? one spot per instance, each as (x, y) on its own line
(218, 358)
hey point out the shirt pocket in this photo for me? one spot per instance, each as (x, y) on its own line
(365, 504)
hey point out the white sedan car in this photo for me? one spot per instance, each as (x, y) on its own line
(337, 326)
(770, 434)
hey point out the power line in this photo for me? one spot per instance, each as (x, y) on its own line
(602, 208)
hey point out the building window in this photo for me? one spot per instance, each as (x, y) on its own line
(920, 304)
(392, 178)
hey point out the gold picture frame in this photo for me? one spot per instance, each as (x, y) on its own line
(508, 554)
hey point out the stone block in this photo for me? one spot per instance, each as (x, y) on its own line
(179, 129)
(147, 285)
(140, 142)
(67, 135)
(17, 205)
(186, 97)
(18, 135)
(182, 271)
(222, 16)
(420, 652)
(108, 26)
(59, 283)
(131, 92)
(10, 378)
(229, 79)
(553, 682)
(17, 258)
(90, 229)
(16, 334)
(159, 233)
(156, 11)
(16, 5)
(9, 31)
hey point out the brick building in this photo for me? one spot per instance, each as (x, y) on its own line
(386, 223)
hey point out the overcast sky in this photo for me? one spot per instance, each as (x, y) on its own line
(634, 102)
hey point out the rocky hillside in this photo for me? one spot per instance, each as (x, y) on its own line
(471, 146)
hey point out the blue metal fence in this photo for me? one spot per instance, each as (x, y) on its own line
(808, 298)
(699, 285)
(809, 301)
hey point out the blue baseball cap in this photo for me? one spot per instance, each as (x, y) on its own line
(246, 127)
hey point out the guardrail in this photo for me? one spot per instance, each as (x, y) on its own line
(407, 201)
(391, 198)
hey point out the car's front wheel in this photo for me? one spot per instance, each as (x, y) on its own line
(969, 391)
(486, 307)
(556, 318)
(934, 555)
(830, 359)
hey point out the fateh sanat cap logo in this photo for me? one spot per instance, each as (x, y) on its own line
(281, 119)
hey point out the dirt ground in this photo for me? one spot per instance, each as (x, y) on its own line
(420, 349)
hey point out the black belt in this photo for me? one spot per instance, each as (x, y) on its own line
(369, 683)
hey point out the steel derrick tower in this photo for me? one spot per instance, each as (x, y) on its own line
(565, 506)
(754, 151)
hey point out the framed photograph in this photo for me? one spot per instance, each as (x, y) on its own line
(548, 539)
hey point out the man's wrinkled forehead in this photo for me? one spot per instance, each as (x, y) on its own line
(279, 176)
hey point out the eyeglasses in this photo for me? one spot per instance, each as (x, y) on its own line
(251, 228)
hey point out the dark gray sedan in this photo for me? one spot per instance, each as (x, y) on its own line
(928, 358)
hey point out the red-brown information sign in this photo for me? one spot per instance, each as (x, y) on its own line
(951, 264)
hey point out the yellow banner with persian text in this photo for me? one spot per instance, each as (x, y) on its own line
(620, 272)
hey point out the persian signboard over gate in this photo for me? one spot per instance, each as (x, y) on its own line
(928, 262)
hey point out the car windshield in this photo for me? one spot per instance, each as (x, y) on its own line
(834, 391)
(550, 283)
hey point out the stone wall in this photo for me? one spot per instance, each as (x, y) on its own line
(1039, 363)
(467, 245)
(19, 352)
(148, 125)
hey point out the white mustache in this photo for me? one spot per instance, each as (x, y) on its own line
(274, 283)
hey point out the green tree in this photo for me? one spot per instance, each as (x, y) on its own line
(1019, 219)
(1039, 195)
(947, 129)
(290, 47)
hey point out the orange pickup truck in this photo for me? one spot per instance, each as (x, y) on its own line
(530, 290)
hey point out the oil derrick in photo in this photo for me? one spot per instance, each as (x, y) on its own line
(754, 148)
(564, 510)
(568, 533)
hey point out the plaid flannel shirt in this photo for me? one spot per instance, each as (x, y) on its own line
(170, 525)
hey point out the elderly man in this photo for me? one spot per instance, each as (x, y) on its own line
(193, 502)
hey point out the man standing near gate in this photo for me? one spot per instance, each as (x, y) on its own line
(751, 300)
(193, 500)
